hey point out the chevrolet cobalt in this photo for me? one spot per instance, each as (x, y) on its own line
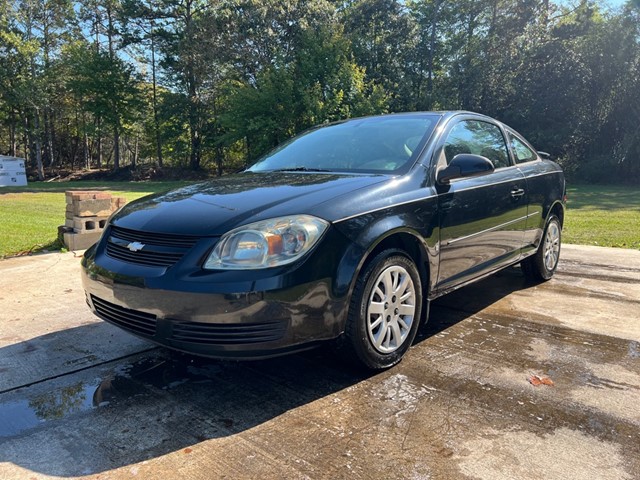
(347, 231)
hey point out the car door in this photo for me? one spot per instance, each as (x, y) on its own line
(541, 182)
(483, 218)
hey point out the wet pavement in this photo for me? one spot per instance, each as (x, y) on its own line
(79, 397)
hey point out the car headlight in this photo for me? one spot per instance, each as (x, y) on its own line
(269, 243)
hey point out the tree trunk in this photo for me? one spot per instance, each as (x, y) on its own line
(194, 121)
(194, 158)
(219, 160)
(116, 126)
(38, 145)
(116, 147)
(26, 141)
(545, 15)
(99, 143)
(74, 151)
(48, 137)
(85, 144)
(12, 134)
(85, 152)
(486, 100)
(156, 121)
(432, 48)
(194, 110)
(110, 30)
(467, 94)
(134, 157)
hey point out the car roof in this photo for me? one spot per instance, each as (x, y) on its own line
(441, 113)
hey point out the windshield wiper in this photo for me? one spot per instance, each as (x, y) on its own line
(300, 169)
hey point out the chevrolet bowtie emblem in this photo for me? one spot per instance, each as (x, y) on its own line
(135, 246)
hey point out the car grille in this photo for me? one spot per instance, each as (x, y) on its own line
(228, 334)
(135, 321)
(158, 250)
(145, 324)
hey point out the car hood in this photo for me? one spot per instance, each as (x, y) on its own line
(217, 206)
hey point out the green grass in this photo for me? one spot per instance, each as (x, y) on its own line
(121, 187)
(29, 216)
(606, 216)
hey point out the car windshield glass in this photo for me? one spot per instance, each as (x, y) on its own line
(377, 144)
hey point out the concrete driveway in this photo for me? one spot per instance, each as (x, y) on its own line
(78, 397)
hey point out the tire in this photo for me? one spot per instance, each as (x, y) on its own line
(542, 265)
(385, 310)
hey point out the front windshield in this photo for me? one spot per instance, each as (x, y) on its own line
(376, 144)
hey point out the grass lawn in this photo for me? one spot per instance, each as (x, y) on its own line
(607, 216)
(29, 216)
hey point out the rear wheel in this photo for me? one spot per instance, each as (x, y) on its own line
(542, 265)
(385, 310)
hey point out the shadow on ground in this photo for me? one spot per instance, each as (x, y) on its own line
(467, 301)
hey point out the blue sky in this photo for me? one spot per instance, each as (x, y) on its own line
(616, 3)
(613, 3)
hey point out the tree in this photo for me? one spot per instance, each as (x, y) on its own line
(428, 60)
(16, 54)
(382, 34)
(141, 24)
(320, 83)
(107, 87)
(182, 37)
(202, 84)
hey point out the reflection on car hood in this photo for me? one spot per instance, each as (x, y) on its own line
(217, 206)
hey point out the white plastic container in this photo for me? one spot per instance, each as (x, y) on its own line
(12, 172)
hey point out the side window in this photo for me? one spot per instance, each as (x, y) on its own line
(521, 152)
(479, 138)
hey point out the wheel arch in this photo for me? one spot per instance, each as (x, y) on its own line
(409, 242)
(557, 209)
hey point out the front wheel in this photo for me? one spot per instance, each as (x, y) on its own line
(385, 310)
(542, 265)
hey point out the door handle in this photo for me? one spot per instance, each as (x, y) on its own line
(517, 192)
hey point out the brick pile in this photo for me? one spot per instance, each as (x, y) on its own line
(86, 216)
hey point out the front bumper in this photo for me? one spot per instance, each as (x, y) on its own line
(214, 315)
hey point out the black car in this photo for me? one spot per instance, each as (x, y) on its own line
(347, 230)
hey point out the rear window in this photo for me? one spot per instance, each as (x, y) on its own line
(521, 152)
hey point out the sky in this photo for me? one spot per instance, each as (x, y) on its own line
(613, 3)
(616, 3)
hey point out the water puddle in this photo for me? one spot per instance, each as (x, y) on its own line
(19, 415)
(32, 406)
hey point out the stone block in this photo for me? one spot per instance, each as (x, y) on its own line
(117, 202)
(89, 224)
(90, 194)
(92, 207)
(80, 241)
(71, 195)
(62, 229)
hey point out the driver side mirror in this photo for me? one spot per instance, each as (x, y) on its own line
(464, 165)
